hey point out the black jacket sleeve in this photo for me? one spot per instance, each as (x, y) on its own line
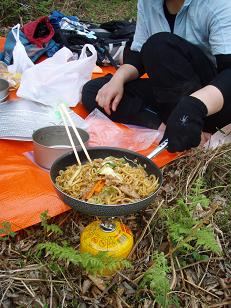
(223, 62)
(134, 58)
(223, 79)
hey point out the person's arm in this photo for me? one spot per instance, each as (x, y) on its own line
(219, 89)
(141, 35)
(186, 122)
(110, 94)
(212, 97)
(219, 24)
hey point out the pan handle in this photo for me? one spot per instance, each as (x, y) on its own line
(159, 149)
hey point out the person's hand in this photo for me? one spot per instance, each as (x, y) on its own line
(185, 124)
(109, 96)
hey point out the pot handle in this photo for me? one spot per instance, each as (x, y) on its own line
(159, 149)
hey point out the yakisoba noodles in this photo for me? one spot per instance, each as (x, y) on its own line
(107, 181)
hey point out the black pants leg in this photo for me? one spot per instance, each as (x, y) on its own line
(175, 68)
(134, 106)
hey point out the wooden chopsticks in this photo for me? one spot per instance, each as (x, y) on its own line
(65, 116)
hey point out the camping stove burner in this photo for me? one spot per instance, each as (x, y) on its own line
(107, 226)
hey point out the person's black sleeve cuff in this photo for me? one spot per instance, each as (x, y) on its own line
(223, 82)
(223, 62)
(134, 58)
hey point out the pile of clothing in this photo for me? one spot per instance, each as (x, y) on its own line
(47, 34)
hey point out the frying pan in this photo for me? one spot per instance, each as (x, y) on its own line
(105, 210)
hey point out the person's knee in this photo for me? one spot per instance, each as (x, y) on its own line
(159, 45)
(89, 92)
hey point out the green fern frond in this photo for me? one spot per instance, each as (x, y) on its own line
(53, 228)
(6, 231)
(185, 209)
(156, 279)
(92, 264)
(49, 227)
(199, 257)
(196, 196)
(182, 223)
(205, 238)
(179, 230)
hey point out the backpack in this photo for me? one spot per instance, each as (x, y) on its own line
(110, 40)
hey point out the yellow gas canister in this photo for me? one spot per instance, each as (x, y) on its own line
(110, 236)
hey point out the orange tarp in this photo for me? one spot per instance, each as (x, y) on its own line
(26, 190)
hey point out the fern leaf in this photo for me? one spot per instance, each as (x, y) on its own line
(205, 238)
(54, 228)
(156, 279)
(92, 264)
(197, 196)
(49, 227)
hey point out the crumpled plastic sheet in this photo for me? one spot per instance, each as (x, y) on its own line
(221, 137)
(104, 132)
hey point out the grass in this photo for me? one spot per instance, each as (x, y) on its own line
(13, 11)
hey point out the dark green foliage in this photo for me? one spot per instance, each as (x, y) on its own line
(187, 233)
(6, 232)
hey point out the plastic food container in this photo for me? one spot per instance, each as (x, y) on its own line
(51, 142)
(4, 90)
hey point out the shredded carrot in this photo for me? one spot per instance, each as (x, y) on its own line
(95, 189)
(100, 186)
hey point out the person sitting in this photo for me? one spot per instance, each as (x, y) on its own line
(184, 46)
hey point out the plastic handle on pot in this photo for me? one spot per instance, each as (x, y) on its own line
(159, 149)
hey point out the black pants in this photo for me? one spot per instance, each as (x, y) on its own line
(175, 68)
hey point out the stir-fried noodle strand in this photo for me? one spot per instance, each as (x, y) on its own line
(107, 181)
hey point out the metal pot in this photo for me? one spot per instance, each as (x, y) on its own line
(104, 210)
(51, 142)
(4, 90)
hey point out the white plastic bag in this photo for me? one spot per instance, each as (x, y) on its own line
(58, 79)
(21, 61)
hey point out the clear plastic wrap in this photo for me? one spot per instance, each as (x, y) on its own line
(104, 132)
